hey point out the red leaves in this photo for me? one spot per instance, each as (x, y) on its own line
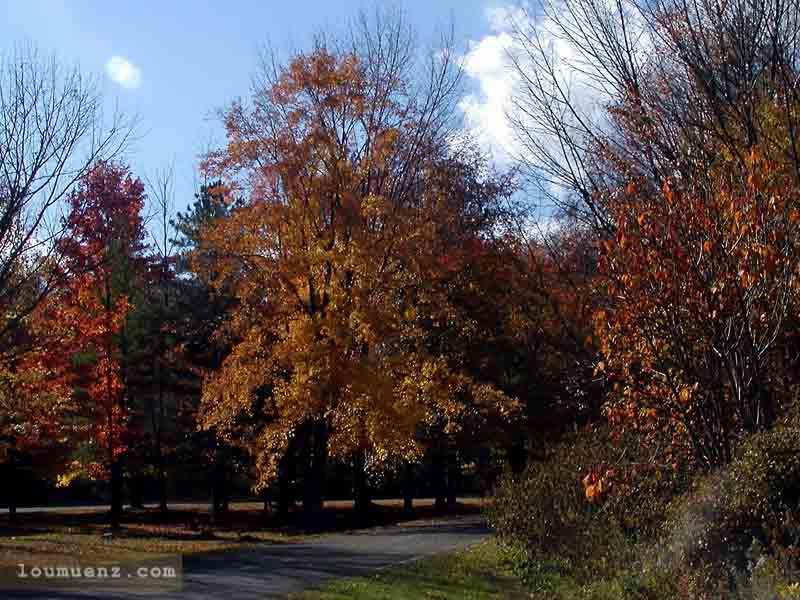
(103, 256)
(684, 261)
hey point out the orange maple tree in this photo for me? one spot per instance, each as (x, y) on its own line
(332, 261)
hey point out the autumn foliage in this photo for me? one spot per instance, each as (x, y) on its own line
(335, 262)
(86, 317)
(703, 281)
(360, 292)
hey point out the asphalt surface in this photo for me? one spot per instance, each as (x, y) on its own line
(275, 570)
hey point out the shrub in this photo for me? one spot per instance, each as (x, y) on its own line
(738, 529)
(544, 511)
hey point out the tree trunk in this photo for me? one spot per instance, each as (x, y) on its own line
(225, 493)
(518, 455)
(214, 506)
(284, 482)
(13, 484)
(408, 487)
(162, 483)
(116, 493)
(452, 477)
(219, 484)
(158, 425)
(361, 498)
(439, 475)
(316, 471)
(266, 500)
(136, 490)
(162, 475)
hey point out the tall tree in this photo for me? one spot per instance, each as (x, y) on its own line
(202, 309)
(105, 246)
(346, 161)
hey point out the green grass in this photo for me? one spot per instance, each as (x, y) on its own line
(478, 573)
(626, 585)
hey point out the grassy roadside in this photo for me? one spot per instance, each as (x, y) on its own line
(84, 538)
(61, 547)
(478, 573)
(62, 536)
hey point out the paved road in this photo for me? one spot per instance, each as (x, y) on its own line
(273, 571)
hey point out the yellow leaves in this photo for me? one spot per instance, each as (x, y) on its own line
(410, 313)
(335, 281)
(375, 206)
(685, 395)
(74, 471)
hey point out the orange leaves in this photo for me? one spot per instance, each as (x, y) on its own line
(598, 483)
(696, 259)
(746, 279)
(669, 192)
(337, 266)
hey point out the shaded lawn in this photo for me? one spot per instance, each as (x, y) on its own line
(69, 534)
(478, 573)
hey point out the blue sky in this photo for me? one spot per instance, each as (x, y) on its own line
(178, 60)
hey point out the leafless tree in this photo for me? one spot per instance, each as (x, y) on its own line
(52, 131)
(162, 194)
(690, 72)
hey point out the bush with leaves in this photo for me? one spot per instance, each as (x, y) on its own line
(739, 527)
(544, 511)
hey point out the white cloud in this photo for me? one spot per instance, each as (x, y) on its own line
(124, 72)
(488, 64)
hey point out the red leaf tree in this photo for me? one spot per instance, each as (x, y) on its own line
(104, 250)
